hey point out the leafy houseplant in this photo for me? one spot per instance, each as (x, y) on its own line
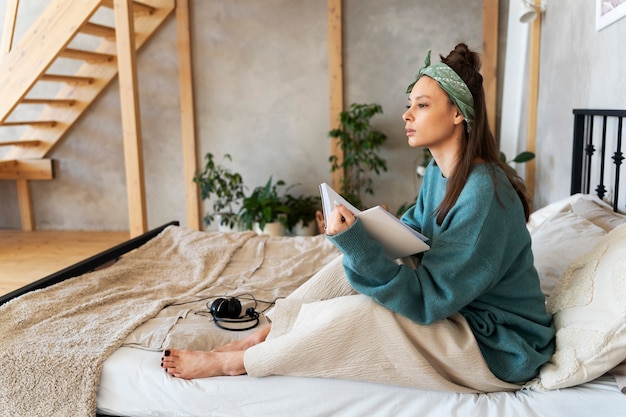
(264, 205)
(519, 158)
(359, 144)
(302, 210)
(225, 186)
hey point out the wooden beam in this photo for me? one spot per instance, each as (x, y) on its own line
(70, 79)
(27, 218)
(187, 115)
(33, 169)
(50, 101)
(89, 56)
(490, 61)
(131, 121)
(138, 7)
(533, 98)
(95, 29)
(335, 79)
(9, 27)
(21, 142)
(40, 123)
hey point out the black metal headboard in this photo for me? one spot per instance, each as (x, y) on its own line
(607, 133)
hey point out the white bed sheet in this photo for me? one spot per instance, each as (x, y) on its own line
(133, 384)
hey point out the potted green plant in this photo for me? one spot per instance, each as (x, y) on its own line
(265, 206)
(301, 217)
(225, 188)
(360, 144)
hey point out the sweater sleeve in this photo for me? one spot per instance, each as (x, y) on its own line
(429, 293)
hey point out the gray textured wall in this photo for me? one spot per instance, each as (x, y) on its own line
(261, 85)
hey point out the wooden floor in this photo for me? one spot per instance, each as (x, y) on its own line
(28, 256)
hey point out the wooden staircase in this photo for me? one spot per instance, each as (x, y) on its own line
(29, 64)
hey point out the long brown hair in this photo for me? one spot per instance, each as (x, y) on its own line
(479, 143)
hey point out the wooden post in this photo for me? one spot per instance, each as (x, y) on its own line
(27, 218)
(23, 190)
(335, 79)
(187, 115)
(131, 121)
(490, 60)
(533, 98)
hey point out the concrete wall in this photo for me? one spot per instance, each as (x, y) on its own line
(261, 85)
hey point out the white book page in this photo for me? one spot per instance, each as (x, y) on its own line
(398, 239)
(396, 220)
(329, 197)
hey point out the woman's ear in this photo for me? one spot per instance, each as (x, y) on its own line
(458, 117)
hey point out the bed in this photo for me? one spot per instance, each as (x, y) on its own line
(88, 339)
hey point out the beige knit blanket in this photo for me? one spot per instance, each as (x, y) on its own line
(54, 341)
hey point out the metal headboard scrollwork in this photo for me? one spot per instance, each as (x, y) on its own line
(586, 142)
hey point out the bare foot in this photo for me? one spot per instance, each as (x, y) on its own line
(246, 342)
(190, 364)
(225, 360)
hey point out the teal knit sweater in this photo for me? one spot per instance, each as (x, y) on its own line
(479, 264)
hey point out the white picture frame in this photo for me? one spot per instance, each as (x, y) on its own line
(608, 12)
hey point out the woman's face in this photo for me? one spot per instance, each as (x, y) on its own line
(431, 120)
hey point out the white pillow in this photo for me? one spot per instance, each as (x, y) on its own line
(598, 213)
(558, 241)
(539, 216)
(589, 309)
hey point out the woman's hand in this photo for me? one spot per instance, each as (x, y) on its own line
(340, 219)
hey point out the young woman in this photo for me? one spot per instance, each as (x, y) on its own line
(468, 316)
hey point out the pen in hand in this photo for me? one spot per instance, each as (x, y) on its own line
(343, 219)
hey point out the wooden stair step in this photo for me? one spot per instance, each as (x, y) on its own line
(96, 29)
(49, 101)
(26, 169)
(70, 79)
(86, 55)
(23, 142)
(40, 123)
(138, 7)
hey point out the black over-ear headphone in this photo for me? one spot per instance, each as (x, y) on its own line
(228, 310)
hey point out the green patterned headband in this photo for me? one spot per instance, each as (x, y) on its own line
(452, 84)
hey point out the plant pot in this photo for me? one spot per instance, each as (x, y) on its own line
(227, 228)
(309, 230)
(272, 229)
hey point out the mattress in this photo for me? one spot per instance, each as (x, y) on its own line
(133, 384)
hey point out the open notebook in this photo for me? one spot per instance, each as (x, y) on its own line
(397, 239)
